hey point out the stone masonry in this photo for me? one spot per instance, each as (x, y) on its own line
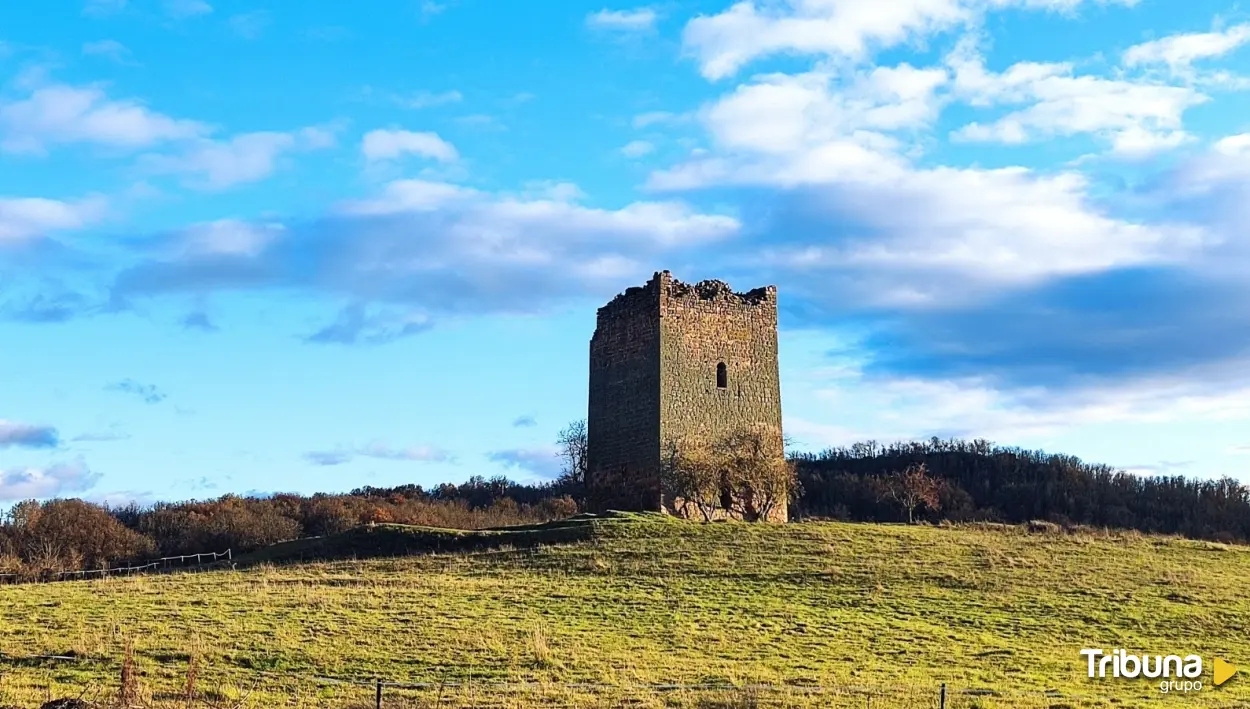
(654, 362)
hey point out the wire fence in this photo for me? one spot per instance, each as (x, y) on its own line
(162, 564)
(380, 693)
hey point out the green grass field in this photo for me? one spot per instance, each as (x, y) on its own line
(819, 614)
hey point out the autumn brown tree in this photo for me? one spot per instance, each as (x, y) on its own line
(911, 488)
(61, 535)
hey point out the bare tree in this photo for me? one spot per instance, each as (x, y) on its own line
(911, 488)
(689, 478)
(756, 477)
(572, 442)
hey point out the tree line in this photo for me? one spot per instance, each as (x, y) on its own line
(930, 481)
(977, 480)
(38, 539)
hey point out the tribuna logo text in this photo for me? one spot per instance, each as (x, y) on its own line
(1121, 664)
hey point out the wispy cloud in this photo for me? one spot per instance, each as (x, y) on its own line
(479, 253)
(525, 421)
(1161, 468)
(652, 118)
(1134, 116)
(355, 324)
(328, 457)
(198, 320)
(249, 25)
(215, 165)
(185, 9)
(23, 218)
(427, 99)
(638, 20)
(430, 8)
(1180, 51)
(123, 498)
(113, 433)
(149, 393)
(103, 8)
(57, 306)
(543, 462)
(109, 49)
(637, 148)
(392, 144)
(379, 451)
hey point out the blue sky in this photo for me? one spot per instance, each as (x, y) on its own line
(291, 246)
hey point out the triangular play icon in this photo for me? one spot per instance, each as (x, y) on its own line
(1223, 671)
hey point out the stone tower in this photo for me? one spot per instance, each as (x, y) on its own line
(671, 361)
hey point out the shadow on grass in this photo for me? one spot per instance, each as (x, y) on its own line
(391, 540)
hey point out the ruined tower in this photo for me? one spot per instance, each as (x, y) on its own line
(672, 361)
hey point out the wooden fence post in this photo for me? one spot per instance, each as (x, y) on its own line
(943, 695)
(379, 695)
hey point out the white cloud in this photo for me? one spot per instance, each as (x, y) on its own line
(394, 144)
(1136, 117)
(1234, 145)
(638, 20)
(781, 114)
(40, 483)
(910, 408)
(249, 157)
(1180, 51)
(61, 114)
(965, 232)
(503, 219)
(431, 249)
(23, 218)
(723, 43)
(183, 9)
(108, 48)
(637, 148)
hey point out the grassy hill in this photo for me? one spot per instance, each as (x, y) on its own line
(824, 614)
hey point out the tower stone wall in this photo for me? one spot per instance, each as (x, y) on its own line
(654, 362)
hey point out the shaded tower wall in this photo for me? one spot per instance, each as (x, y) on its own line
(623, 419)
(654, 362)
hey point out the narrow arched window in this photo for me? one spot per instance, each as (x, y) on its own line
(722, 376)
